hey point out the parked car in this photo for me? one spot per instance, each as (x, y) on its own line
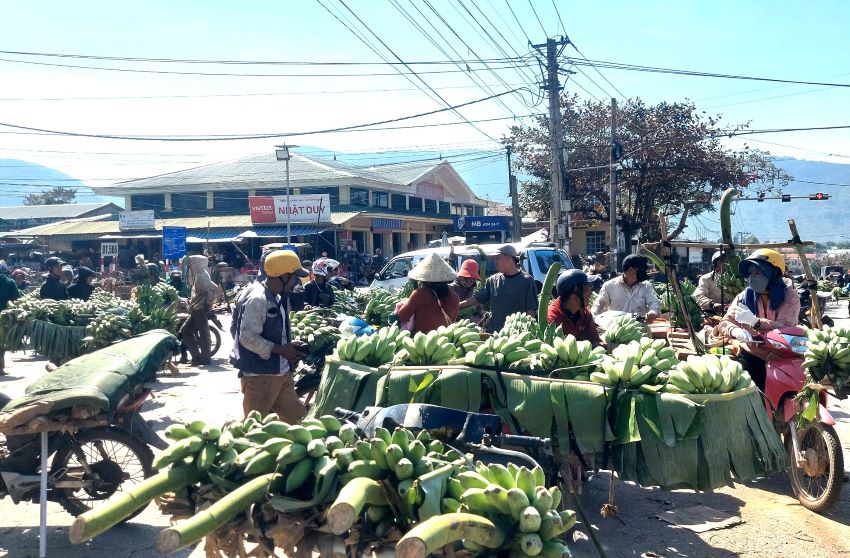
(537, 258)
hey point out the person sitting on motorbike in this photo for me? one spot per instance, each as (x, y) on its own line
(318, 292)
(83, 287)
(767, 303)
(708, 295)
(335, 279)
(570, 311)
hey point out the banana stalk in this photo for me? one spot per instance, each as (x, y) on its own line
(206, 521)
(343, 513)
(433, 534)
(546, 294)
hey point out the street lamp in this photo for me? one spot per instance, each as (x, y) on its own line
(282, 154)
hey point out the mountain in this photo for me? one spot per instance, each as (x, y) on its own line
(19, 178)
(821, 221)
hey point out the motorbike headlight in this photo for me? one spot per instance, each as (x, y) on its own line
(799, 343)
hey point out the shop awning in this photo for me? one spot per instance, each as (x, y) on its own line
(280, 232)
(139, 236)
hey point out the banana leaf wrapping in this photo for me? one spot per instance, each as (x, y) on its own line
(701, 442)
(345, 384)
(58, 343)
(100, 379)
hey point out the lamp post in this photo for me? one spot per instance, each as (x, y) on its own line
(282, 154)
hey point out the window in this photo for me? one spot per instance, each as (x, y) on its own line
(398, 267)
(399, 202)
(457, 209)
(444, 208)
(595, 242)
(546, 257)
(148, 201)
(470, 210)
(230, 201)
(359, 196)
(331, 191)
(380, 199)
(416, 203)
(478, 211)
(430, 206)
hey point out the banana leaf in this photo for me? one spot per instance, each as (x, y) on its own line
(347, 385)
(530, 402)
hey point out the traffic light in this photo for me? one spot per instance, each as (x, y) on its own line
(761, 197)
(820, 196)
(786, 197)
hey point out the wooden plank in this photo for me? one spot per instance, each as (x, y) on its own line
(807, 271)
(720, 246)
(37, 426)
(673, 281)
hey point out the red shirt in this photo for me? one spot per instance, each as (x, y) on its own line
(584, 329)
(423, 308)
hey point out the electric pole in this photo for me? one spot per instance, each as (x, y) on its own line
(612, 187)
(553, 87)
(516, 230)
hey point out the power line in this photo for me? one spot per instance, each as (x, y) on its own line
(594, 67)
(783, 130)
(259, 136)
(507, 2)
(558, 13)
(545, 34)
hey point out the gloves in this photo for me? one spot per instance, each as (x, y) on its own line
(744, 315)
(741, 334)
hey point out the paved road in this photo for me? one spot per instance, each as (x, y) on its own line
(773, 524)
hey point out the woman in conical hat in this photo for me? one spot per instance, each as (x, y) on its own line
(433, 303)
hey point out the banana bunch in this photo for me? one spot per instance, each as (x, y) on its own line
(344, 303)
(828, 354)
(622, 330)
(463, 335)
(578, 358)
(422, 349)
(169, 294)
(708, 374)
(163, 317)
(381, 304)
(373, 350)
(312, 329)
(637, 363)
(731, 282)
(512, 352)
(107, 328)
(517, 323)
(516, 497)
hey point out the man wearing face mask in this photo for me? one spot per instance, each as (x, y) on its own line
(262, 351)
(84, 285)
(630, 292)
(767, 303)
(464, 287)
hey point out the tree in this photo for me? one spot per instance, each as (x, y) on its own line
(673, 164)
(56, 195)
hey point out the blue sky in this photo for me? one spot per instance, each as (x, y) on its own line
(789, 40)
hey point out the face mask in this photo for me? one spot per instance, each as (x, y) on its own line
(758, 283)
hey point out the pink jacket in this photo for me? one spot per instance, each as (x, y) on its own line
(786, 315)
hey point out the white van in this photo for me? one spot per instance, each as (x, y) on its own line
(536, 258)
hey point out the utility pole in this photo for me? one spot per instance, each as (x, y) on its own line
(516, 230)
(612, 186)
(553, 87)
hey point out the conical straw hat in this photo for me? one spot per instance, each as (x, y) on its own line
(432, 269)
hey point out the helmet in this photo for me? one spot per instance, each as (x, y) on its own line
(332, 263)
(569, 279)
(321, 267)
(763, 257)
(717, 256)
(281, 262)
(53, 261)
(153, 269)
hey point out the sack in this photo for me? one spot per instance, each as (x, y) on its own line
(408, 325)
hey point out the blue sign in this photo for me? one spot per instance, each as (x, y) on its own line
(482, 224)
(173, 243)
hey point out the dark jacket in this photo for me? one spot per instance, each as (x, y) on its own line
(8, 291)
(53, 289)
(259, 322)
(81, 288)
(318, 295)
(582, 326)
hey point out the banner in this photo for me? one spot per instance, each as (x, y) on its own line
(135, 220)
(308, 208)
(386, 225)
(173, 243)
(482, 224)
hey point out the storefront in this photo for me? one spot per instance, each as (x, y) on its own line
(484, 229)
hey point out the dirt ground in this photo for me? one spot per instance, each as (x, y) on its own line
(772, 524)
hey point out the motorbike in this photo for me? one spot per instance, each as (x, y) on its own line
(806, 304)
(815, 458)
(88, 465)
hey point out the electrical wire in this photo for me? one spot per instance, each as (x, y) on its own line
(558, 13)
(545, 34)
(595, 68)
(507, 2)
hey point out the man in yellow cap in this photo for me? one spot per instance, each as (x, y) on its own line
(262, 348)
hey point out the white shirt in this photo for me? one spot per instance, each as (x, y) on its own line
(638, 299)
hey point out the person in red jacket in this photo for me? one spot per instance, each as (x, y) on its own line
(570, 311)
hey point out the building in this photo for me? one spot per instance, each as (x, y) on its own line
(23, 216)
(394, 207)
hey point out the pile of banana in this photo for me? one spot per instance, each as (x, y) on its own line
(622, 330)
(637, 363)
(344, 303)
(828, 354)
(429, 348)
(517, 323)
(380, 306)
(574, 360)
(512, 353)
(373, 350)
(708, 374)
(312, 329)
(106, 328)
(731, 282)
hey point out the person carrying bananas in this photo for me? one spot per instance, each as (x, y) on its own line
(767, 303)
(262, 350)
(708, 295)
(570, 311)
(433, 303)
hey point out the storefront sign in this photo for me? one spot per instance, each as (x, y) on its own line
(386, 225)
(135, 220)
(173, 242)
(108, 249)
(345, 235)
(309, 208)
(482, 224)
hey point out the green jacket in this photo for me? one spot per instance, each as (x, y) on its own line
(8, 291)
